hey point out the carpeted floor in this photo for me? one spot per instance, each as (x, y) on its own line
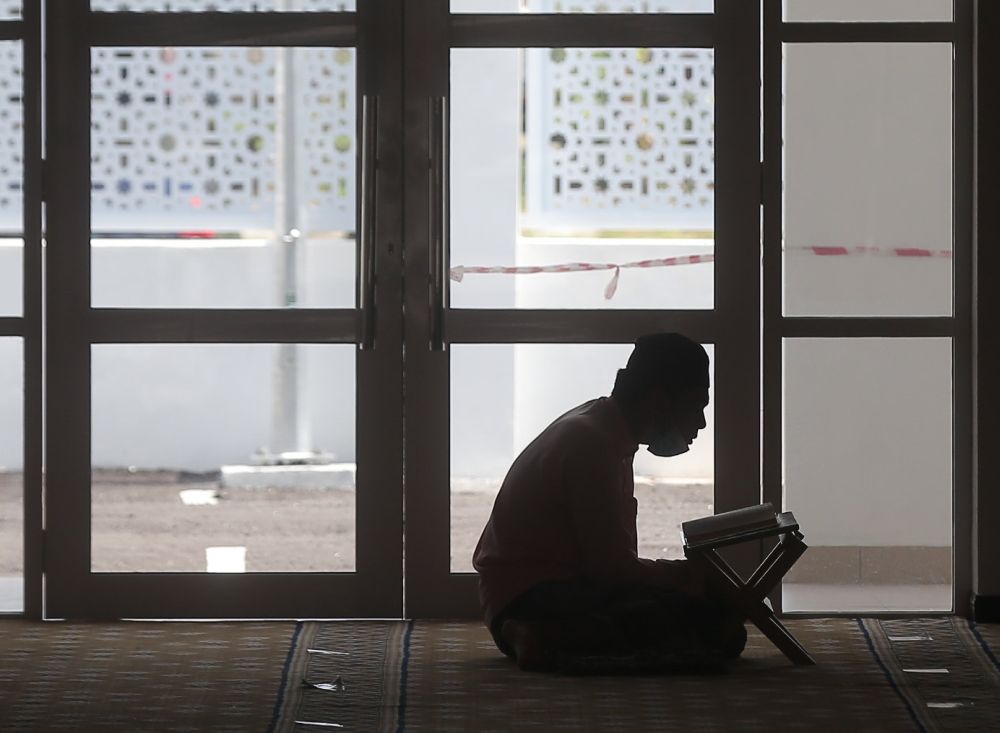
(871, 675)
(163, 677)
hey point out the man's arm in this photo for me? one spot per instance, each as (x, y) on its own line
(593, 481)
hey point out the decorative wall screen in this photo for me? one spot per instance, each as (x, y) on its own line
(191, 138)
(11, 137)
(620, 138)
(231, 6)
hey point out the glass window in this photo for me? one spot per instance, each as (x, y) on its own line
(868, 473)
(868, 180)
(11, 178)
(582, 178)
(189, 443)
(233, 6)
(523, 388)
(582, 6)
(869, 10)
(223, 177)
(11, 476)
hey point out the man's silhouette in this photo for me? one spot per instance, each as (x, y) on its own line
(561, 583)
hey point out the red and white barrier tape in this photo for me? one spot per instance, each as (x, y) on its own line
(827, 251)
(459, 272)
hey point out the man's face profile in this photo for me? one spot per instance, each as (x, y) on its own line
(683, 412)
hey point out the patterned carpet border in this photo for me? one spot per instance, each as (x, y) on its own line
(347, 675)
(976, 631)
(281, 703)
(942, 668)
(881, 651)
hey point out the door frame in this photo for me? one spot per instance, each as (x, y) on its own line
(743, 448)
(27, 327)
(432, 590)
(72, 589)
(776, 326)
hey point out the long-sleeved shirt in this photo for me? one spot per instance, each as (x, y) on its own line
(566, 509)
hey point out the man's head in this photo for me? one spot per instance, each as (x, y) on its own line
(664, 391)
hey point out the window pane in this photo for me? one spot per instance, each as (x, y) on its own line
(205, 158)
(11, 476)
(523, 388)
(187, 446)
(10, 9)
(868, 180)
(868, 473)
(11, 178)
(197, 6)
(610, 164)
(868, 10)
(582, 6)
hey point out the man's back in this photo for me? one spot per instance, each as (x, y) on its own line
(565, 509)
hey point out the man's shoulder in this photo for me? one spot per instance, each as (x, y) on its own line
(585, 423)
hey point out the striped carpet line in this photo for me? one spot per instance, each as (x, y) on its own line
(404, 668)
(984, 646)
(374, 672)
(881, 649)
(282, 698)
(397, 656)
(978, 649)
(289, 693)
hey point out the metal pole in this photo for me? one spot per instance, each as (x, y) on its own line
(290, 424)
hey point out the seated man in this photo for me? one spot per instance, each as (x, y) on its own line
(559, 574)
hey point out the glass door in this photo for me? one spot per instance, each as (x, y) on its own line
(224, 319)
(867, 300)
(577, 175)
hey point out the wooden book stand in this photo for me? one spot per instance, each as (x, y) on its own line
(749, 596)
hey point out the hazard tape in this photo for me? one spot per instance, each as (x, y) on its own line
(828, 251)
(459, 272)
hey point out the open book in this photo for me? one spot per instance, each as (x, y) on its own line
(726, 524)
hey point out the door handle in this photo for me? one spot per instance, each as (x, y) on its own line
(368, 219)
(438, 219)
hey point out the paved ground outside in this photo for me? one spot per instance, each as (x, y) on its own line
(143, 522)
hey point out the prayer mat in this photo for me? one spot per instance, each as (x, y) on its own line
(345, 674)
(871, 675)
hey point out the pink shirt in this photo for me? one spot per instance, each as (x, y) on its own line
(566, 509)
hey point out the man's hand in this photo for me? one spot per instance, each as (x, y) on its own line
(683, 576)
